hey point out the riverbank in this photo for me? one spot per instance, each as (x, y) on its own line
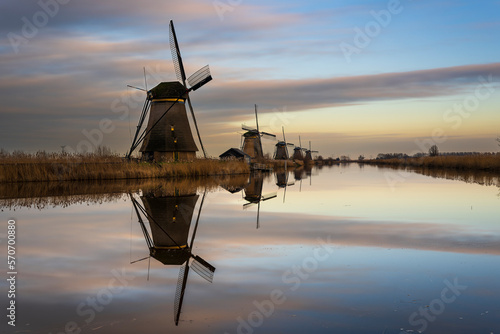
(60, 167)
(480, 162)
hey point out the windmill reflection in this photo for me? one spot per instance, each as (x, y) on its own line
(253, 193)
(282, 181)
(169, 214)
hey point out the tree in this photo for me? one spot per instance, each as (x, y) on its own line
(361, 157)
(433, 151)
(498, 140)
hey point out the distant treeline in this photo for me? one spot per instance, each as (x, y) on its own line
(420, 155)
(458, 160)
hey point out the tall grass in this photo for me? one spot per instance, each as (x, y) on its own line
(41, 166)
(490, 162)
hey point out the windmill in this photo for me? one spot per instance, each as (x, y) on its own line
(168, 135)
(281, 152)
(252, 143)
(253, 193)
(169, 217)
(309, 153)
(297, 151)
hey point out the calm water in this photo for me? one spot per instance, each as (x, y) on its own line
(344, 249)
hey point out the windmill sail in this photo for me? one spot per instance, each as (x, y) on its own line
(168, 133)
(181, 75)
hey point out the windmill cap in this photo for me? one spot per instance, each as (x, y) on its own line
(168, 90)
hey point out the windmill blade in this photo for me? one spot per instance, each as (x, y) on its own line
(179, 292)
(176, 55)
(249, 204)
(149, 266)
(256, 118)
(290, 144)
(258, 215)
(283, 129)
(196, 127)
(246, 128)
(269, 196)
(203, 268)
(144, 258)
(144, 113)
(266, 135)
(199, 78)
(200, 266)
(144, 90)
(257, 122)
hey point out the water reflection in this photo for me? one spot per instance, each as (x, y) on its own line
(391, 251)
(169, 212)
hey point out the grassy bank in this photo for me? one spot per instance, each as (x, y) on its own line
(486, 162)
(21, 167)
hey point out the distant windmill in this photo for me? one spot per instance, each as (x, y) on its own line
(297, 151)
(308, 153)
(169, 219)
(252, 143)
(253, 193)
(168, 134)
(281, 152)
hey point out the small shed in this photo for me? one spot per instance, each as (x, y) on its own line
(236, 153)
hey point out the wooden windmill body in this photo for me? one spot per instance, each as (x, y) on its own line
(298, 152)
(170, 137)
(281, 151)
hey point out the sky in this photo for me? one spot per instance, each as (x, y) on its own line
(352, 77)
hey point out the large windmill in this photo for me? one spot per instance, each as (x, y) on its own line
(281, 152)
(252, 140)
(309, 152)
(298, 151)
(167, 135)
(169, 216)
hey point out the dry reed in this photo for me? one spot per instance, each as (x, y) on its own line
(22, 167)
